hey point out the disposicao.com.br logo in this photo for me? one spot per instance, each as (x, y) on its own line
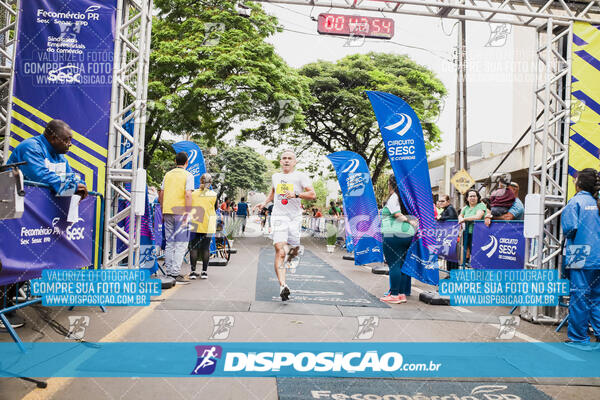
(311, 362)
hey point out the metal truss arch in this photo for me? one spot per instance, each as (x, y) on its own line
(125, 176)
(8, 34)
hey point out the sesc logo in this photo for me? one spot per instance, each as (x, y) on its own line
(72, 232)
(402, 126)
(351, 166)
(492, 246)
(67, 74)
(207, 359)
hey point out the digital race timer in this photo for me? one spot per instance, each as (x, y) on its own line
(354, 25)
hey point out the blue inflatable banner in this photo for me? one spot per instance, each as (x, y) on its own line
(446, 240)
(359, 205)
(403, 137)
(63, 70)
(195, 159)
(499, 246)
(43, 239)
(349, 239)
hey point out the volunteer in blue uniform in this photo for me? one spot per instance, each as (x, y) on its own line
(46, 162)
(581, 226)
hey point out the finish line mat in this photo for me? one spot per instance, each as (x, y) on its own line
(314, 282)
(401, 389)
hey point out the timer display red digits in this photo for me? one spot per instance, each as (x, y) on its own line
(339, 23)
(376, 27)
(387, 26)
(329, 22)
(348, 25)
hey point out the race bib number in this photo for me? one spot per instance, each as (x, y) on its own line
(284, 187)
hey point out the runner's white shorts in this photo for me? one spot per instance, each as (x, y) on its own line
(286, 229)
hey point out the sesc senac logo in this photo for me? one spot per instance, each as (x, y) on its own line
(401, 126)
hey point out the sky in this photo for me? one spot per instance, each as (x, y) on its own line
(430, 42)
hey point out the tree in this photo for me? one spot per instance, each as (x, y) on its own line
(320, 186)
(240, 168)
(211, 68)
(341, 117)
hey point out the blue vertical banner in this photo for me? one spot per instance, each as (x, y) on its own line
(195, 159)
(360, 206)
(405, 145)
(63, 70)
(349, 239)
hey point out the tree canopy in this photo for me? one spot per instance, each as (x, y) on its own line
(211, 68)
(240, 168)
(341, 118)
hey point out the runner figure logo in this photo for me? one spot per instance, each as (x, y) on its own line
(366, 327)
(508, 326)
(207, 359)
(77, 325)
(222, 325)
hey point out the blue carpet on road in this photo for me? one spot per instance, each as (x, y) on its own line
(314, 282)
(374, 388)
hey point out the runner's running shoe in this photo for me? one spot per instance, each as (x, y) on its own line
(284, 292)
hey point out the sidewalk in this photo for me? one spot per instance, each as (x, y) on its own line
(187, 313)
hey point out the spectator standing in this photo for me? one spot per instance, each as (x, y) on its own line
(333, 210)
(580, 222)
(447, 212)
(501, 199)
(473, 211)
(242, 213)
(515, 212)
(175, 196)
(204, 225)
(226, 207)
(398, 229)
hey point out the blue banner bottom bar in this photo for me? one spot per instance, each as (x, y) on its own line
(381, 360)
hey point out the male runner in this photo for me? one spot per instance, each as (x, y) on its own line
(288, 188)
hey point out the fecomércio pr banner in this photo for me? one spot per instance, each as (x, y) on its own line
(360, 206)
(196, 164)
(43, 238)
(446, 239)
(63, 70)
(499, 246)
(403, 138)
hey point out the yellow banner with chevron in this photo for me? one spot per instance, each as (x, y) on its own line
(584, 143)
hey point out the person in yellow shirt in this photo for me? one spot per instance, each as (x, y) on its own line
(203, 220)
(175, 197)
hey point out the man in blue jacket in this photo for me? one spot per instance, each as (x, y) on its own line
(580, 222)
(46, 162)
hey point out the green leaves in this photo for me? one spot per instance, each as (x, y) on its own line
(341, 117)
(241, 168)
(210, 69)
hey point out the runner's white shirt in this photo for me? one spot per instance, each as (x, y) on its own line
(295, 182)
